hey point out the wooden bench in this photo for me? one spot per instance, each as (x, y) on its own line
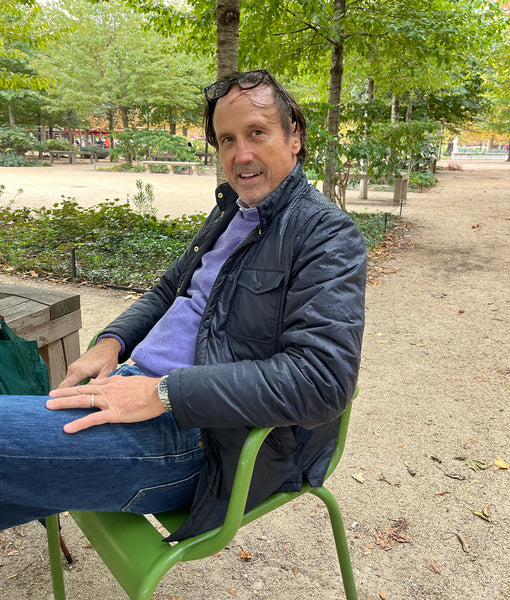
(52, 319)
(171, 164)
(71, 154)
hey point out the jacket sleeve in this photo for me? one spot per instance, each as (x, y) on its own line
(312, 377)
(135, 323)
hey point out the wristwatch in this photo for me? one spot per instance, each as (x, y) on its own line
(162, 389)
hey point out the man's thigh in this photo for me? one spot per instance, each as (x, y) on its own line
(139, 467)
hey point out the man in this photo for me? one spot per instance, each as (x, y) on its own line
(258, 323)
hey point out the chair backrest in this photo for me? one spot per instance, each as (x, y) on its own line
(236, 517)
(343, 426)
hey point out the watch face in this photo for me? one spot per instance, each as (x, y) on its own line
(163, 387)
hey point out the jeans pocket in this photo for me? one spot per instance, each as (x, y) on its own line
(167, 496)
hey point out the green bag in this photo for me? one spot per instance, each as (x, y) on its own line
(22, 370)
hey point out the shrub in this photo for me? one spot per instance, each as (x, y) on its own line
(113, 244)
(56, 144)
(421, 180)
(16, 140)
(135, 145)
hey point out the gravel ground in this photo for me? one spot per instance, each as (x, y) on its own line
(424, 519)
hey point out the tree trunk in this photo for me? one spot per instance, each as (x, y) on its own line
(12, 121)
(227, 36)
(336, 72)
(409, 110)
(227, 48)
(363, 182)
(124, 117)
(395, 106)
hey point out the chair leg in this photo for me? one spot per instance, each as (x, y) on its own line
(57, 575)
(340, 540)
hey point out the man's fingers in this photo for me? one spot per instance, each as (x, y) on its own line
(91, 420)
(75, 401)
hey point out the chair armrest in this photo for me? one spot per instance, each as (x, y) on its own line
(213, 541)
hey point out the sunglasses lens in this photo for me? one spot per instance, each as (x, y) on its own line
(217, 90)
(246, 81)
(251, 79)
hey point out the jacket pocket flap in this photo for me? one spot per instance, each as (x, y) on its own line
(260, 281)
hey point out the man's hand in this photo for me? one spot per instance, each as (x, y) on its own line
(98, 362)
(120, 400)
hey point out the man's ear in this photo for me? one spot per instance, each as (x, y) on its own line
(296, 139)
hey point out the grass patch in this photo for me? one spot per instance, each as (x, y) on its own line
(111, 243)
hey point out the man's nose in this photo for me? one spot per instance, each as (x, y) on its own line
(244, 152)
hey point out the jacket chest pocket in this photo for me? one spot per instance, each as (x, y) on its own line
(256, 304)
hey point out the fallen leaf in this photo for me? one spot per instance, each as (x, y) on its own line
(359, 477)
(482, 516)
(455, 476)
(217, 554)
(12, 553)
(463, 543)
(233, 591)
(432, 565)
(382, 595)
(386, 538)
(411, 471)
(245, 556)
(501, 464)
(477, 464)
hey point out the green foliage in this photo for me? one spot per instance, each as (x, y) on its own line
(143, 200)
(124, 168)
(114, 244)
(373, 226)
(422, 180)
(56, 144)
(15, 140)
(135, 145)
(10, 159)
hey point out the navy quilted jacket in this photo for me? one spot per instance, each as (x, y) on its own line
(279, 342)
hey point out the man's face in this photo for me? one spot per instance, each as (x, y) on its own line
(256, 153)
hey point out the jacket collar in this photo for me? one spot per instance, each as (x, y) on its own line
(273, 203)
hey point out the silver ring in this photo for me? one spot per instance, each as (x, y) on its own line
(92, 400)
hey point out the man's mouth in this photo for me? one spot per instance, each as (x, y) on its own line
(246, 176)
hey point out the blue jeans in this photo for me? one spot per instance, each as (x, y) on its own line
(143, 467)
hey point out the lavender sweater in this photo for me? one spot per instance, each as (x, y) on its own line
(171, 342)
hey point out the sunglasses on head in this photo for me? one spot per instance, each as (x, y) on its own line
(246, 81)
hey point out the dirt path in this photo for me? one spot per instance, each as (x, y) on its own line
(434, 394)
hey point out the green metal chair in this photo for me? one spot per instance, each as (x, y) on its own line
(132, 548)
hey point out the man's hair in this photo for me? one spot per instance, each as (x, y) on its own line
(292, 118)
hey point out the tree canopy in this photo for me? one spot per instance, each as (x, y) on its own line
(145, 62)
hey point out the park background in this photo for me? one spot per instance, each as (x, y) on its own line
(389, 89)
